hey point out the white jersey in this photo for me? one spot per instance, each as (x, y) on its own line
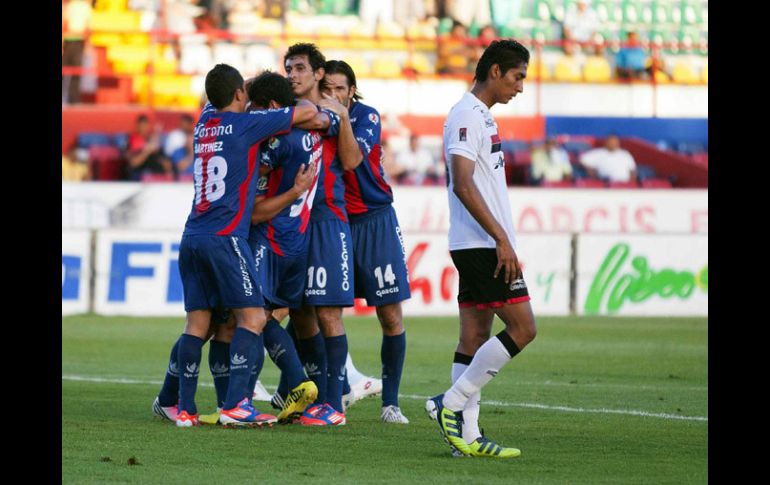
(470, 131)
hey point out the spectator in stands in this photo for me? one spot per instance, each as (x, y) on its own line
(75, 17)
(550, 163)
(468, 11)
(631, 61)
(580, 22)
(373, 12)
(611, 162)
(144, 152)
(179, 147)
(486, 35)
(417, 163)
(74, 164)
(454, 51)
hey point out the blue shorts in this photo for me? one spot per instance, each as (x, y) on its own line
(217, 271)
(281, 279)
(380, 258)
(329, 274)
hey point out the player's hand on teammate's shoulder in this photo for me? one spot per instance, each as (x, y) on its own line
(333, 105)
(304, 178)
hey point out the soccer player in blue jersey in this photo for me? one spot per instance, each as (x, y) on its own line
(214, 262)
(381, 275)
(321, 339)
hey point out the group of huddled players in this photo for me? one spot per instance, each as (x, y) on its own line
(291, 211)
(303, 154)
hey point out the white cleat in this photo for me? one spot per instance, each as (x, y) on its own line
(393, 414)
(364, 387)
(165, 412)
(430, 408)
(260, 393)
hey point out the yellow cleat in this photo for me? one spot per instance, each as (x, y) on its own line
(298, 399)
(484, 446)
(210, 419)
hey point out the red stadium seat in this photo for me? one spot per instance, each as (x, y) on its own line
(106, 162)
(631, 184)
(559, 184)
(656, 184)
(589, 183)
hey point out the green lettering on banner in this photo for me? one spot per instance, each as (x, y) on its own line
(639, 284)
(546, 280)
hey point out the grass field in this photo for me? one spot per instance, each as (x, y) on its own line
(592, 400)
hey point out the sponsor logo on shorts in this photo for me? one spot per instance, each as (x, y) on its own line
(248, 289)
(403, 249)
(258, 255)
(319, 291)
(344, 266)
(387, 291)
(518, 285)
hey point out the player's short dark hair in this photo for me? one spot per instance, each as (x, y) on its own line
(221, 83)
(271, 86)
(506, 53)
(314, 56)
(342, 67)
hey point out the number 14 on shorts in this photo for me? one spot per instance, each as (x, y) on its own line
(389, 276)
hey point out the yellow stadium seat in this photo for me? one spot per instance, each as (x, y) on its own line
(704, 74)
(597, 70)
(567, 69)
(539, 70)
(137, 38)
(661, 77)
(114, 5)
(269, 27)
(386, 67)
(128, 59)
(115, 21)
(359, 65)
(420, 63)
(164, 60)
(105, 39)
(684, 73)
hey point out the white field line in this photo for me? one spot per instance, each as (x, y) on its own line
(628, 412)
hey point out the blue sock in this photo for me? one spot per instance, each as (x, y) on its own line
(312, 352)
(259, 361)
(337, 353)
(283, 383)
(243, 354)
(169, 393)
(219, 364)
(281, 350)
(392, 353)
(189, 358)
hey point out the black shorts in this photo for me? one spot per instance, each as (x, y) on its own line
(478, 287)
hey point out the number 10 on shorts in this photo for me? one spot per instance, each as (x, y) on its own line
(390, 277)
(320, 276)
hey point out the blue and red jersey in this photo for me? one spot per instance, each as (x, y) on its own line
(365, 187)
(330, 197)
(225, 170)
(283, 156)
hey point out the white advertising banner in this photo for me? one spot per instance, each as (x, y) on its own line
(434, 281)
(137, 273)
(75, 271)
(642, 275)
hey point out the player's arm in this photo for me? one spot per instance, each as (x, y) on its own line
(304, 111)
(465, 189)
(321, 122)
(265, 208)
(347, 147)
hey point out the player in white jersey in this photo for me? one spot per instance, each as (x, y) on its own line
(482, 245)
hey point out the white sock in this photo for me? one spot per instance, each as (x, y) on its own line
(489, 359)
(471, 409)
(353, 375)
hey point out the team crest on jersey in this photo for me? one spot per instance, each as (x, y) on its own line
(463, 134)
(374, 118)
(273, 143)
(262, 184)
(489, 122)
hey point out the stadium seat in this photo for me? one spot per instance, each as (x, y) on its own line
(120, 140)
(656, 183)
(567, 69)
(597, 70)
(589, 183)
(106, 162)
(360, 65)
(704, 73)
(684, 73)
(114, 21)
(157, 177)
(539, 70)
(89, 139)
(259, 57)
(421, 64)
(631, 184)
(386, 67)
(561, 184)
(232, 54)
